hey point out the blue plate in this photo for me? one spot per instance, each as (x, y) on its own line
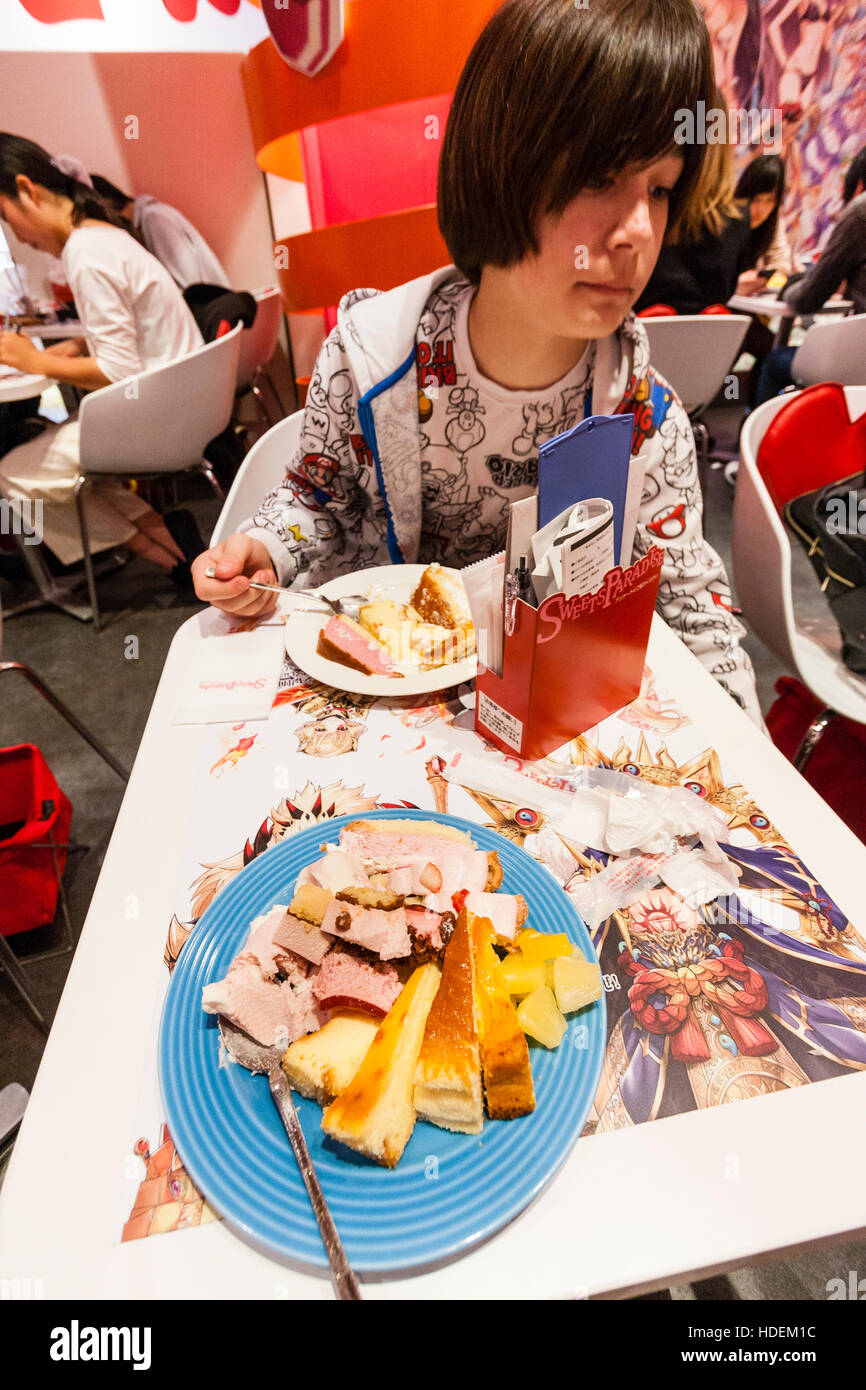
(449, 1191)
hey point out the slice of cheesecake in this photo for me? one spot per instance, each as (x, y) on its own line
(508, 1085)
(448, 1075)
(375, 1114)
(322, 1064)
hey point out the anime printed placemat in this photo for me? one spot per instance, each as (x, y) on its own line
(758, 991)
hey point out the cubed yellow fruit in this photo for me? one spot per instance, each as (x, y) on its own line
(539, 946)
(520, 976)
(540, 1018)
(576, 982)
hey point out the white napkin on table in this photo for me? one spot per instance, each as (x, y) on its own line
(230, 679)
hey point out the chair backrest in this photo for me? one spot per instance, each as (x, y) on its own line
(761, 569)
(833, 352)
(264, 466)
(259, 341)
(694, 352)
(161, 421)
(812, 442)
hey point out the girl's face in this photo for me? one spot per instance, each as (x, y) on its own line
(762, 206)
(595, 259)
(33, 217)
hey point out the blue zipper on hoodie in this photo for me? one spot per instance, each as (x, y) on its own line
(368, 429)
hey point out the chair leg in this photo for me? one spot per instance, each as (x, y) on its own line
(13, 969)
(812, 738)
(80, 486)
(274, 392)
(212, 479)
(259, 397)
(67, 714)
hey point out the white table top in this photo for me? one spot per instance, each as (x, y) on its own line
(19, 386)
(638, 1208)
(771, 307)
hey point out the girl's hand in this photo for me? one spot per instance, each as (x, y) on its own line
(16, 350)
(750, 282)
(235, 562)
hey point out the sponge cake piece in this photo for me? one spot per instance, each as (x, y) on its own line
(448, 1075)
(375, 1114)
(508, 1085)
(440, 598)
(322, 1064)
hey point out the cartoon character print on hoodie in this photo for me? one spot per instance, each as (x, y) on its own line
(429, 474)
(479, 442)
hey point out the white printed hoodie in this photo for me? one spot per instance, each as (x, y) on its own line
(352, 495)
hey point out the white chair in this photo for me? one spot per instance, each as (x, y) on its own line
(761, 562)
(694, 353)
(159, 422)
(258, 344)
(832, 352)
(264, 466)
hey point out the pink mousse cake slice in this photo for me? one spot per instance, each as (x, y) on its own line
(345, 641)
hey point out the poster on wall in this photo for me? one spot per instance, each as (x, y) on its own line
(132, 26)
(802, 63)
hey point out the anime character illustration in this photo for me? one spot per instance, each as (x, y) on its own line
(758, 991)
(649, 711)
(735, 32)
(330, 734)
(233, 755)
(166, 1199)
(309, 806)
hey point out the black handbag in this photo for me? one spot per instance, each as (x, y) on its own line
(831, 524)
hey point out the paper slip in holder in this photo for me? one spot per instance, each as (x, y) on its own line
(569, 663)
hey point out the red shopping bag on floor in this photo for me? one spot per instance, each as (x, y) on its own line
(34, 813)
(837, 767)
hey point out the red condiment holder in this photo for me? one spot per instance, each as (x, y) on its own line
(569, 663)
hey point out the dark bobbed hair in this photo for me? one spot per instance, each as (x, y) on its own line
(764, 174)
(110, 194)
(555, 98)
(24, 157)
(855, 174)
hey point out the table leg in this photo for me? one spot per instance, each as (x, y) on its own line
(783, 332)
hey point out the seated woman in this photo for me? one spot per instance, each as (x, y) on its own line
(134, 318)
(428, 403)
(842, 262)
(706, 252)
(761, 189)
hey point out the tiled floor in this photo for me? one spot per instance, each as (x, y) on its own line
(94, 674)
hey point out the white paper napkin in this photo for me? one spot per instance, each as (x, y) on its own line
(230, 679)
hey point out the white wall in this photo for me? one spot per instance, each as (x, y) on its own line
(194, 147)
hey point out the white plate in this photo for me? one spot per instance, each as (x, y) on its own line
(303, 626)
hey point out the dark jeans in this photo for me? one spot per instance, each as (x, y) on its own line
(775, 374)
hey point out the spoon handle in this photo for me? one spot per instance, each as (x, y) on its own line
(342, 1276)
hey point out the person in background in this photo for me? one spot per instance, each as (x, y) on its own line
(134, 318)
(842, 262)
(761, 190)
(701, 261)
(761, 185)
(429, 402)
(167, 234)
